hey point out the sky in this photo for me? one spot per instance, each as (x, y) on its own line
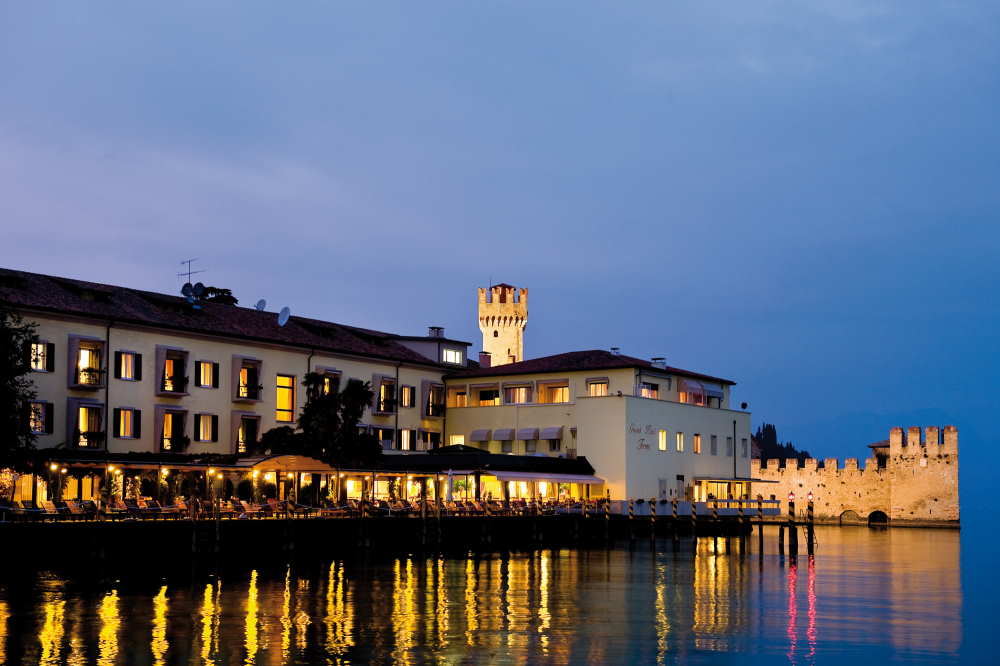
(799, 196)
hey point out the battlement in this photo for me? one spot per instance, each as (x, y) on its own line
(503, 316)
(932, 441)
(917, 482)
(500, 294)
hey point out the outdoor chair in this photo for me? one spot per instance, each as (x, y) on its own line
(250, 510)
(89, 508)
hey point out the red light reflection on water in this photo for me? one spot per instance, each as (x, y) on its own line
(811, 596)
(793, 612)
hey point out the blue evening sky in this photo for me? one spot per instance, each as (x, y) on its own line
(801, 196)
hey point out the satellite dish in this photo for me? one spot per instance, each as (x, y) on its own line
(284, 315)
(261, 304)
(187, 289)
(198, 289)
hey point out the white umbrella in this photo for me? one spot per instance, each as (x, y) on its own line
(451, 485)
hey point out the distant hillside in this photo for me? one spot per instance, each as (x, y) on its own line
(766, 445)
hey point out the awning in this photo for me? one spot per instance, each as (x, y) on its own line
(482, 435)
(553, 432)
(527, 433)
(503, 434)
(542, 476)
(691, 386)
(731, 479)
(572, 431)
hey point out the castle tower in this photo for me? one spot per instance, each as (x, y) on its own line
(503, 314)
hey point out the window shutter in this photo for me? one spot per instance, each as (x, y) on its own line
(27, 354)
(197, 428)
(50, 356)
(215, 427)
(118, 365)
(215, 375)
(137, 365)
(48, 418)
(136, 423)
(117, 421)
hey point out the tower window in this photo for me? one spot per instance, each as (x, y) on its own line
(496, 334)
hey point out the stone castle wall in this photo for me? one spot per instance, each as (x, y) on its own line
(918, 482)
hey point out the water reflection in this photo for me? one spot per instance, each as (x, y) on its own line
(554, 606)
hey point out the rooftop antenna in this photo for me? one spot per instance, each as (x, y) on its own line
(284, 315)
(261, 304)
(189, 272)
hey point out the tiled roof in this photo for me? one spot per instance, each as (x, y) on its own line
(591, 359)
(58, 295)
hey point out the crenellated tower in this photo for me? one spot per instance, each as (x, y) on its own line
(503, 315)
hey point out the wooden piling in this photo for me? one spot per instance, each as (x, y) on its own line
(652, 518)
(793, 534)
(810, 535)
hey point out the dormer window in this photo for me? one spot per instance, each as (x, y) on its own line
(453, 356)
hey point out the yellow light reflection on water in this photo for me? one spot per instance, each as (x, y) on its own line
(159, 644)
(404, 619)
(339, 618)
(50, 637)
(110, 617)
(471, 602)
(4, 614)
(544, 616)
(250, 640)
(210, 621)
(442, 617)
(662, 619)
(286, 615)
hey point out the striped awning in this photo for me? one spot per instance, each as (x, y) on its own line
(482, 435)
(527, 433)
(503, 434)
(542, 476)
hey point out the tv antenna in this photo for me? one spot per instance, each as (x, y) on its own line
(261, 304)
(284, 315)
(189, 272)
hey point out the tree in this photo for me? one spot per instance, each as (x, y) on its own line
(766, 439)
(17, 391)
(219, 295)
(328, 426)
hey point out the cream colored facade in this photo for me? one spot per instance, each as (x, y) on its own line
(222, 401)
(620, 433)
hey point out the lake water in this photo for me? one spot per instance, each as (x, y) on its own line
(891, 595)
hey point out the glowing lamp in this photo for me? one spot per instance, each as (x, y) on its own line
(53, 467)
(63, 470)
(219, 475)
(791, 497)
(211, 471)
(291, 475)
(256, 473)
(810, 496)
(118, 472)
(111, 468)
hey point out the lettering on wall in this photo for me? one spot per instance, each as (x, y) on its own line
(638, 429)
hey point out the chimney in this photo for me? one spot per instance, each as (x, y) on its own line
(659, 362)
(485, 359)
(615, 350)
(435, 331)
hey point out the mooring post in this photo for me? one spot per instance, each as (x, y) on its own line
(793, 534)
(810, 536)
(607, 518)
(694, 526)
(781, 540)
(631, 520)
(652, 518)
(760, 527)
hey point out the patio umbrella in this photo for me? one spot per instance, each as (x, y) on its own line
(451, 484)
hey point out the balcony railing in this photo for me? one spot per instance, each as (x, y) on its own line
(175, 384)
(176, 443)
(247, 392)
(90, 377)
(435, 409)
(387, 406)
(91, 439)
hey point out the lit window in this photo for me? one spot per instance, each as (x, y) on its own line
(205, 373)
(662, 442)
(456, 440)
(89, 427)
(597, 389)
(461, 399)
(174, 378)
(556, 394)
(168, 431)
(36, 418)
(88, 366)
(246, 435)
(435, 401)
(125, 366)
(489, 397)
(125, 426)
(40, 356)
(647, 390)
(386, 397)
(407, 396)
(680, 441)
(452, 356)
(248, 383)
(517, 395)
(285, 410)
(204, 427)
(405, 440)
(696, 443)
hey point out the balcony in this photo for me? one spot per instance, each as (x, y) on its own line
(386, 406)
(176, 443)
(435, 409)
(89, 378)
(248, 393)
(174, 385)
(91, 439)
